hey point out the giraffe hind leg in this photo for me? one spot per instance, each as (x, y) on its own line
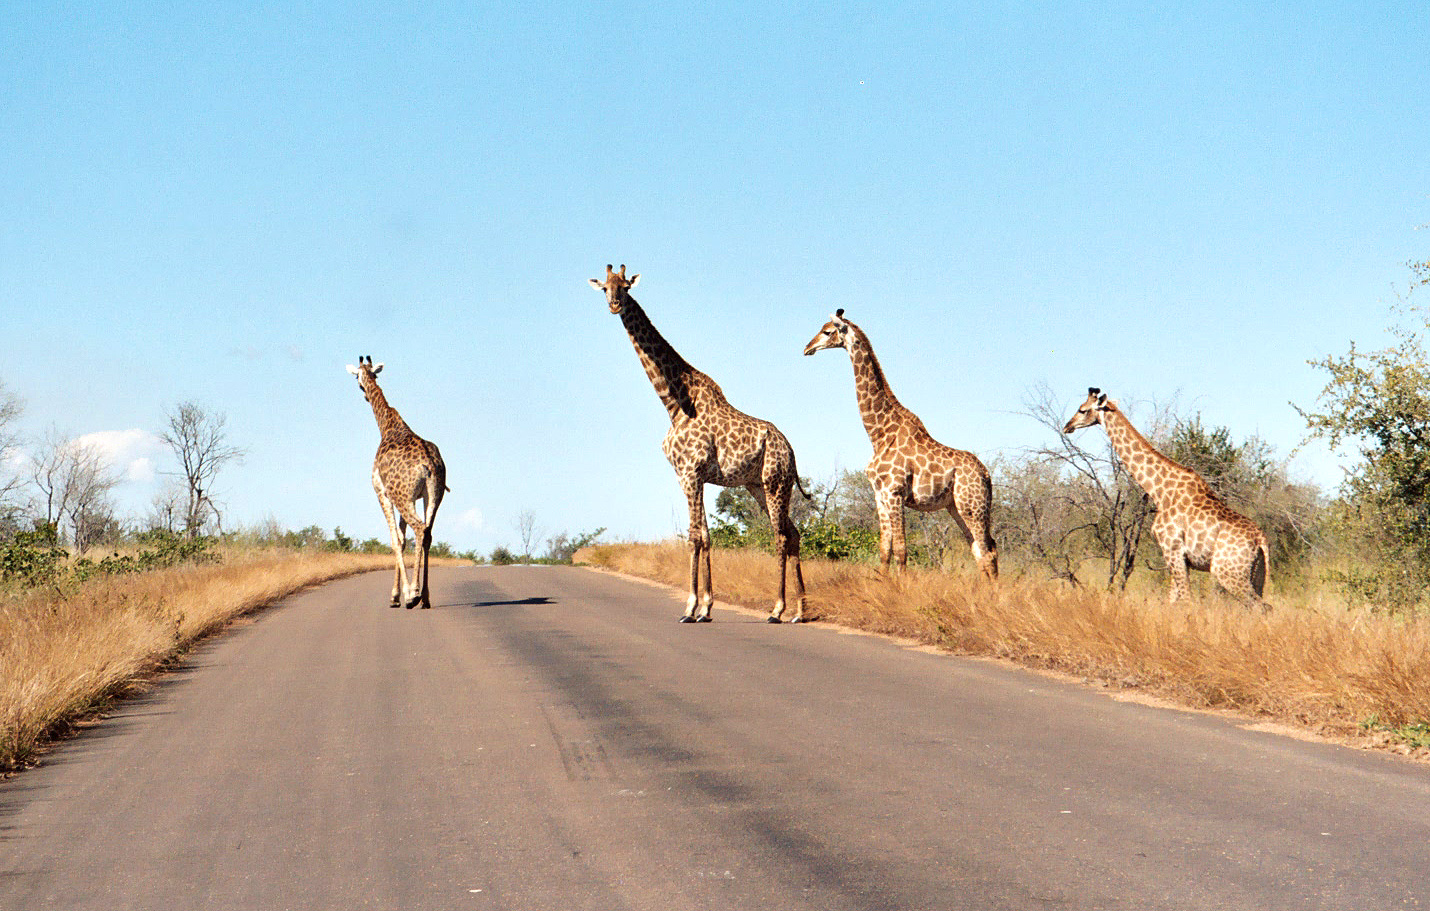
(1235, 570)
(412, 586)
(397, 529)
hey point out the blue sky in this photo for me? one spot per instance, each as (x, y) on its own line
(229, 203)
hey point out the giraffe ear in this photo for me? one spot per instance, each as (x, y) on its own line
(353, 370)
(377, 368)
(596, 283)
(635, 279)
(1102, 400)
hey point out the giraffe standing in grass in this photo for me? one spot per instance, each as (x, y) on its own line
(1194, 528)
(910, 468)
(709, 442)
(407, 469)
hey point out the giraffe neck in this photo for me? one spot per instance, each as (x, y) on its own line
(1154, 472)
(389, 422)
(667, 370)
(877, 404)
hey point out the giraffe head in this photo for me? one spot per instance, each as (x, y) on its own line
(832, 335)
(616, 287)
(1091, 411)
(366, 373)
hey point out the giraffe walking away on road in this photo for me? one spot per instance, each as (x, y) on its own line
(407, 469)
(710, 442)
(1194, 528)
(910, 468)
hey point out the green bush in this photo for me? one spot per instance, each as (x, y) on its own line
(503, 557)
(32, 557)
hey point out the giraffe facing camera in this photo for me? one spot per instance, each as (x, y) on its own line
(710, 442)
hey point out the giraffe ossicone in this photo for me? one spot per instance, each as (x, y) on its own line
(1194, 528)
(909, 467)
(710, 442)
(406, 469)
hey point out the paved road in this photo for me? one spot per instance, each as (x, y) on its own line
(550, 738)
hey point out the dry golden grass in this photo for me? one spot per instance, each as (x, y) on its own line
(1305, 663)
(65, 651)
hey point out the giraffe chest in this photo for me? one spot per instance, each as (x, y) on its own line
(924, 478)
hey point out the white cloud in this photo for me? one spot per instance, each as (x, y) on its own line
(130, 453)
(141, 470)
(471, 520)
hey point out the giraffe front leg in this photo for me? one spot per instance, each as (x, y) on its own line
(707, 584)
(893, 545)
(699, 536)
(1181, 589)
(1174, 551)
(886, 531)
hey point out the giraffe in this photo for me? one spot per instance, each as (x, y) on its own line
(910, 468)
(1194, 528)
(407, 468)
(710, 442)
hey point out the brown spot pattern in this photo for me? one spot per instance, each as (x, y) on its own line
(1194, 528)
(909, 467)
(407, 468)
(711, 442)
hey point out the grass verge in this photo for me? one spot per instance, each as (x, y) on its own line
(1351, 675)
(66, 651)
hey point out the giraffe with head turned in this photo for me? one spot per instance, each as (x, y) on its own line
(407, 469)
(910, 468)
(1194, 528)
(710, 442)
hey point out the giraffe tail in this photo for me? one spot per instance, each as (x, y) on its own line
(1260, 568)
(806, 493)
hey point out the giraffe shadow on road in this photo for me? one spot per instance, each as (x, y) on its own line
(518, 602)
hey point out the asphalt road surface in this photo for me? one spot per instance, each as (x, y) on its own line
(551, 738)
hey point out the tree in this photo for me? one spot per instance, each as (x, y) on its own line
(1101, 507)
(199, 440)
(561, 547)
(168, 508)
(1378, 402)
(74, 485)
(11, 481)
(526, 527)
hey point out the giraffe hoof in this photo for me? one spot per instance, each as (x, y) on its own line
(395, 604)
(772, 619)
(687, 619)
(705, 619)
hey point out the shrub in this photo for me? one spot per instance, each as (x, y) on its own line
(503, 557)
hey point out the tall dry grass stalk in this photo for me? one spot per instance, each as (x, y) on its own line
(1303, 663)
(65, 651)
